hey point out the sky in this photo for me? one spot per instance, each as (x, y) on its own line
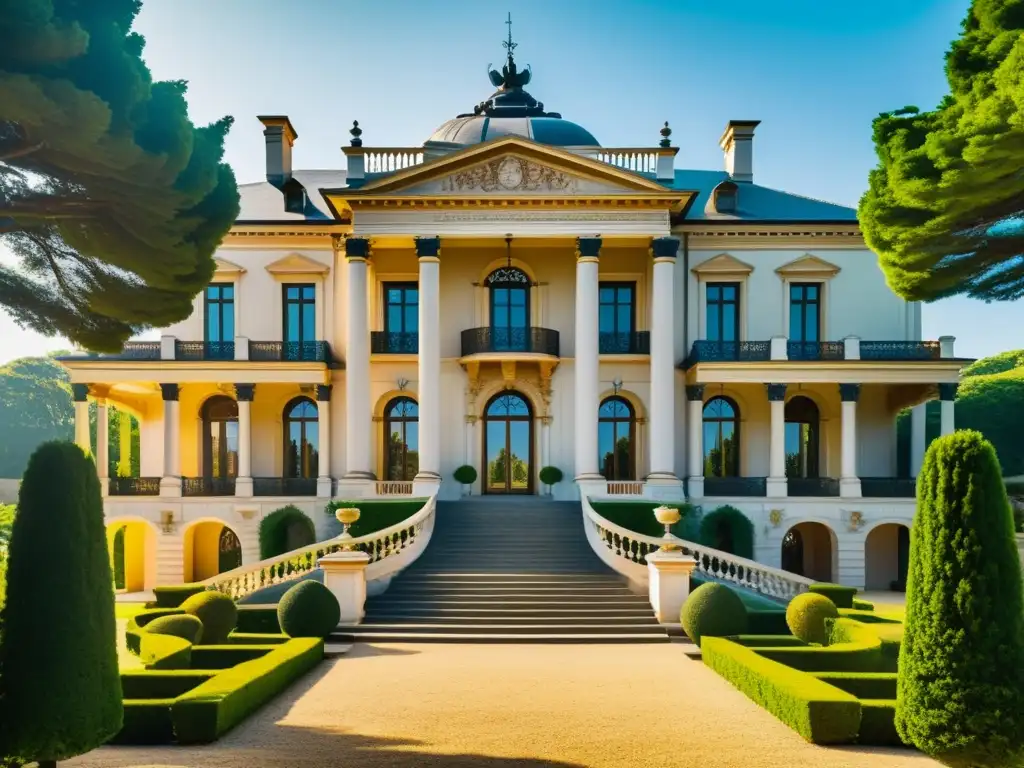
(815, 73)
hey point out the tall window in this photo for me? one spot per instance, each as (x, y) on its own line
(616, 316)
(299, 312)
(401, 307)
(721, 438)
(616, 428)
(301, 438)
(510, 309)
(723, 311)
(805, 312)
(220, 437)
(802, 437)
(401, 436)
(220, 312)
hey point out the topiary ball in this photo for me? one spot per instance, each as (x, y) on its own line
(806, 614)
(713, 610)
(184, 626)
(309, 609)
(218, 613)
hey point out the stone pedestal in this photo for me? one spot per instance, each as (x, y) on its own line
(669, 583)
(345, 576)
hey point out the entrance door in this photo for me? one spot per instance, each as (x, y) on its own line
(508, 444)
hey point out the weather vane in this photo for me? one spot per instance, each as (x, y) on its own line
(508, 44)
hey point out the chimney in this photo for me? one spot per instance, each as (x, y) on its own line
(280, 135)
(738, 144)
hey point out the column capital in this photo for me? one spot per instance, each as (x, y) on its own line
(849, 393)
(776, 392)
(245, 392)
(357, 248)
(80, 392)
(948, 391)
(323, 393)
(664, 247)
(588, 247)
(694, 392)
(428, 247)
(169, 391)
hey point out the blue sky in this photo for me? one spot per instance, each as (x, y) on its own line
(815, 73)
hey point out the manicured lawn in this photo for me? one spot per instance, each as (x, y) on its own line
(127, 610)
(375, 515)
(638, 516)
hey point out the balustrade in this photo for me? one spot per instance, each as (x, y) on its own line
(538, 340)
(735, 486)
(284, 486)
(633, 343)
(816, 350)
(385, 160)
(625, 488)
(290, 351)
(900, 350)
(813, 486)
(207, 486)
(394, 342)
(640, 160)
(134, 486)
(394, 487)
(888, 487)
(140, 350)
(204, 350)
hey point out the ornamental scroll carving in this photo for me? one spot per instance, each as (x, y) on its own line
(508, 174)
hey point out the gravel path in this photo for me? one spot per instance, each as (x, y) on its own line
(508, 706)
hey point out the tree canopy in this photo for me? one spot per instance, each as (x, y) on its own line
(945, 206)
(112, 200)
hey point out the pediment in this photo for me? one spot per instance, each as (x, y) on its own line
(808, 265)
(723, 264)
(297, 264)
(225, 268)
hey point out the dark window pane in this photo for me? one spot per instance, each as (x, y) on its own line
(714, 323)
(412, 319)
(625, 319)
(729, 293)
(308, 322)
(714, 293)
(729, 326)
(796, 329)
(606, 318)
(607, 295)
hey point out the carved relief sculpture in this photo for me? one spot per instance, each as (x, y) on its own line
(509, 174)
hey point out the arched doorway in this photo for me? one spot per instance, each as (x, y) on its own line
(616, 439)
(508, 444)
(210, 548)
(803, 428)
(509, 288)
(886, 555)
(220, 438)
(301, 439)
(132, 547)
(401, 439)
(808, 549)
(721, 438)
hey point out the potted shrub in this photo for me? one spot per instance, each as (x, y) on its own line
(466, 475)
(549, 476)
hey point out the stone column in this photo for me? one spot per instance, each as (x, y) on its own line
(849, 482)
(545, 443)
(324, 484)
(663, 369)
(170, 483)
(918, 438)
(124, 435)
(947, 395)
(244, 394)
(103, 443)
(695, 435)
(776, 483)
(358, 411)
(80, 393)
(588, 385)
(428, 252)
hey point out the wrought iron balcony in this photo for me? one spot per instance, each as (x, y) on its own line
(816, 350)
(728, 352)
(394, 342)
(735, 486)
(888, 487)
(900, 350)
(813, 486)
(207, 486)
(633, 343)
(284, 486)
(290, 351)
(134, 486)
(204, 350)
(542, 341)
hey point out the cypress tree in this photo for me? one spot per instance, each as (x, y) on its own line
(960, 694)
(60, 691)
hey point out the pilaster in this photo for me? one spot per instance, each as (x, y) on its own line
(586, 368)
(428, 252)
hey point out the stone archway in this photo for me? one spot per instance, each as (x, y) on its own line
(132, 548)
(210, 547)
(809, 549)
(886, 556)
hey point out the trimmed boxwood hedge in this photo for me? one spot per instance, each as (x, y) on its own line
(146, 721)
(257, 619)
(863, 685)
(136, 624)
(713, 610)
(728, 529)
(638, 516)
(275, 529)
(173, 597)
(161, 683)
(309, 609)
(224, 656)
(184, 626)
(838, 594)
(806, 616)
(164, 651)
(218, 613)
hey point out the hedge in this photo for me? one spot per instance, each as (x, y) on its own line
(184, 626)
(375, 515)
(877, 723)
(863, 685)
(840, 595)
(806, 616)
(308, 609)
(257, 619)
(165, 652)
(862, 605)
(638, 516)
(173, 597)
(274, 531)
(819, 712)
(134, 629)
(728, 521)
(218, 613)
(146, 721)
(251, 638)
(847, 657)
(211, 709)
(161, 683)
(224, 656)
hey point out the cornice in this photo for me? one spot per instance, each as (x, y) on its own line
(770, 235)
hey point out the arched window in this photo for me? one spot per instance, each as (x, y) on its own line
(229, 551)
(793, 552)
(721, 438)
(508, 444)
(616, 438)
(802, 437)
(301, 438)
(510, 309)
(220, 437)
(401, 439)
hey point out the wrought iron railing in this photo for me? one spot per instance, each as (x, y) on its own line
(543, 341)
(630, 343)
(284, 486)
(207, 486)
(888, 487)
(815, 350)
(204, 350)
(134, 486)
(900, 350)
(140, 350)
(735, 486)
(394, 342)
(290, 351)
(812, 486)
(705, 351)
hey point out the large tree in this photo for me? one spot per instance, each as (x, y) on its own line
(111, 199)
(945, 207)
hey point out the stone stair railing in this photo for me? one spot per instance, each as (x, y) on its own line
(625, 551)
(390, 550)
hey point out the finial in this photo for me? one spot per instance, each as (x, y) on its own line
(665, 133)
(356, 132)
(508, 44)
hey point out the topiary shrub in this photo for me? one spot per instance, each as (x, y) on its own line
(729, 530)
(465, 474)
(218, 613)
(283, 530)
(185, 626)
(713, 610)
(809, 617)
(551, 475)
(174, 596)
(960, 691)
(60, 692)
(309, 609)
(837, 593)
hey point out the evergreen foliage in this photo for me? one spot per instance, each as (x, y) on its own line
(713, 610)
(466, 474)
(283, 530)
(185, 626)
(309, 609)
(112, 200)
(728, 529)
(550, 475)
(218, 613)
(806, 617)
(60, 694)
(944, 209)
(960, 694)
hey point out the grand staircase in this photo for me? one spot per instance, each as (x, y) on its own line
(508, 570)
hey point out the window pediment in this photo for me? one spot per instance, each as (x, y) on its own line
(224, 268)
(808, 267)
(723, 265)
(297, 264)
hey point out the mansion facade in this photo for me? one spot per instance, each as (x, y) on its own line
(511, 296)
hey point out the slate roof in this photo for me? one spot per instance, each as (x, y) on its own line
(262, 201)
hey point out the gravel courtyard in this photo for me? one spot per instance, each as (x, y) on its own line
(506, 706)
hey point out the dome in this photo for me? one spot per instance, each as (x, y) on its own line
(473, 129)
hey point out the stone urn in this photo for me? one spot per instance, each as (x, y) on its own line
(346, 516)
(668, 516)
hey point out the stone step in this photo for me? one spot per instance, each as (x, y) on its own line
(345, 636)
(554, 602)
(527, 619)
(570, 613)
(508, 629)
